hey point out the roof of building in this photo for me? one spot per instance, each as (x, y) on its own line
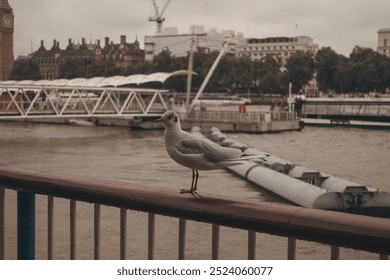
(115, 81)
(384, 30)
(5, 5)
(88, 50)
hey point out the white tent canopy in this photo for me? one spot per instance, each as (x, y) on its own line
(114, 81)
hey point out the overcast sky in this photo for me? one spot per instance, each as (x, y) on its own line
(340, 24)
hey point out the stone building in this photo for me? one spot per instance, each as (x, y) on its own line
(50, 60)
(180, 44)
(279, 47)
(6, 40)
(124, 54)
(384, 41)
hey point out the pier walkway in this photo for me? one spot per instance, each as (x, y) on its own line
(30, 100)
(119, 101)
(114, 97)
(34, 101)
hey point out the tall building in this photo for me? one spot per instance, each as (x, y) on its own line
(50, 60)
(281, 48)
(278, 47)
(384, 41)
(180, 44)
(6, 40)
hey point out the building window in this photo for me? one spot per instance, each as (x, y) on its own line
(385, 42)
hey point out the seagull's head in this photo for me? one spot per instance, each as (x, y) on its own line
(169, 119)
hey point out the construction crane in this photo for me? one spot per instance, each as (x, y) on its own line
(158, 17)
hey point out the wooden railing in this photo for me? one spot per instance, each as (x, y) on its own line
(333, 228)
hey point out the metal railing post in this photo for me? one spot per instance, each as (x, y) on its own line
(2, 221)
(291, 248)
(50, 227)
(334, 252)
(72, 229)
(26, 225)
(151, 235)
(96, 231)
(251, 245)
(182, 238)
(215, 242)
(123, 233)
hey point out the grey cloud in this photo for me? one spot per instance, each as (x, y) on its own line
(338, 24)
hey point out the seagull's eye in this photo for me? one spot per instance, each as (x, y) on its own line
(169, 117)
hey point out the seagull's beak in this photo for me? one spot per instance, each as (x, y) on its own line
(158, 120)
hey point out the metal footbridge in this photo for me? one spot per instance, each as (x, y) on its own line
(114, 97)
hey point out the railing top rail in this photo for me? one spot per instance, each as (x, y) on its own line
(340, 229)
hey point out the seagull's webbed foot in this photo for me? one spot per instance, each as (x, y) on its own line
(186, 191)
(193, 192)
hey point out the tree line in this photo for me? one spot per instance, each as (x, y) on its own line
(365, 70)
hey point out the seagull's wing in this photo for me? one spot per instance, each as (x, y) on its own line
(212, 152)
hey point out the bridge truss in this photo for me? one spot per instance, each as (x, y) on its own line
(29, 102)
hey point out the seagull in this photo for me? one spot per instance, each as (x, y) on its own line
(195, 152)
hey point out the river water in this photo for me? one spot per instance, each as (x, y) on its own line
(139, 157)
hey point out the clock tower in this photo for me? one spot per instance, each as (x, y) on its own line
(6, 40)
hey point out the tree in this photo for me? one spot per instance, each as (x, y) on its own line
(344, 80)
(140, 68)
(385, 65)
(201, 65)
(327, 63)
(163, 61)
(104, 68)
(370, 74)
(25, 70)
(72, 68)
(359, 54)
(300, 69)
(242, 69)
(234, 74)
(268, 75)
(178, 83)
(369, 70)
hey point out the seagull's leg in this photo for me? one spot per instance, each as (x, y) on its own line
(191, 190)
(195, 186)
(193, 183)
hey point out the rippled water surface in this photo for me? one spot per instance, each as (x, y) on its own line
(139, 157)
